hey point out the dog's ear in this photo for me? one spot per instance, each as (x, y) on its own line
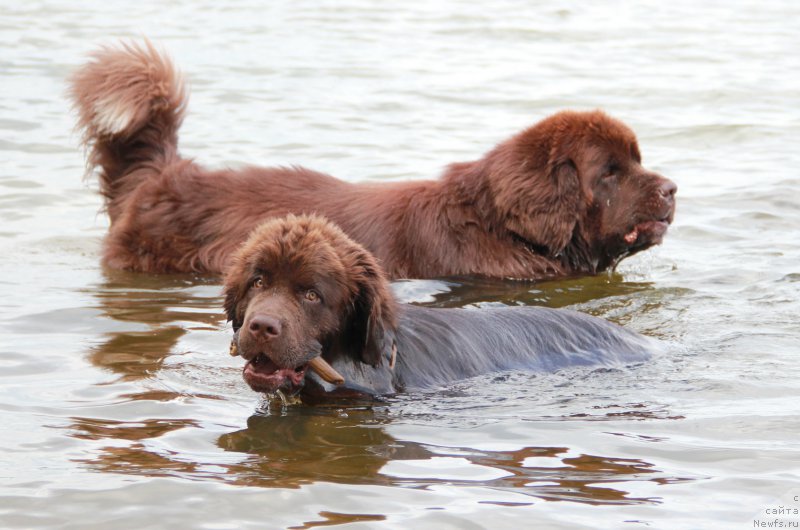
(539, 199)
(369, 333)
(234, 289)
(231, 301)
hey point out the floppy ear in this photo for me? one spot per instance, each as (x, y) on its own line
(233, 289)
(540, 202)
(369, 333)
(231, 301)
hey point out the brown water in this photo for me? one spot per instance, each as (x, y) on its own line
(119, 403)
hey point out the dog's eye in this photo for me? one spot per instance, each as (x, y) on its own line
(611, 171)
(312, 295)
(258, 283)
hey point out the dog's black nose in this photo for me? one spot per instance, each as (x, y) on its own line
(267, 326)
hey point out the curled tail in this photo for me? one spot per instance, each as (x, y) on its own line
(130, 101)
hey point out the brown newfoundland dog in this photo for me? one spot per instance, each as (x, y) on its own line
(568, 196)
(313, 312)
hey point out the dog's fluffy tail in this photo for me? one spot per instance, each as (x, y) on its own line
(130, 100)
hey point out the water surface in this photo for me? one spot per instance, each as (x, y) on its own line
(121, 407)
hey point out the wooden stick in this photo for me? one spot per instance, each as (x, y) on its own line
(321, 367)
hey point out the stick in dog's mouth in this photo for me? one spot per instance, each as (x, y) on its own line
(318, 365)
(321, 367)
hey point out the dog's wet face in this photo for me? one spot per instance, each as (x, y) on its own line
(629, 207)
(285, 318)
(573, 187)
(288, 291)
(297, 288)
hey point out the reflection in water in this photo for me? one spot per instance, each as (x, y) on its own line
(462, 291)
(333, 519)
(136, 354)
(166, 307)
(607, 296)
(97, 429)
(299, 445)
(303, 445)
(306, 444)
(581, 478)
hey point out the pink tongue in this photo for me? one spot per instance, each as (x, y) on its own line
(269, 371)
(294, 376)
(630, 237)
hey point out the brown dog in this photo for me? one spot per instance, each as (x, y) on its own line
(567, 196)
(307, 301)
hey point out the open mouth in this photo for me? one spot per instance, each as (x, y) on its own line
(647, 233)
(263, 375)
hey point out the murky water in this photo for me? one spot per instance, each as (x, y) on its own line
(121, 407)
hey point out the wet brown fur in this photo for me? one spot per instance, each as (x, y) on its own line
(377, 345)
(555, 200)
(290, 256)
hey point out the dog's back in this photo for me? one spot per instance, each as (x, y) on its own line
(515, 213)
(436, 346)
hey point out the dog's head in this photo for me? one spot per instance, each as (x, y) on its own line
(298, 289)
(573, 186)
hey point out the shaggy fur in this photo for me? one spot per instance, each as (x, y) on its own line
(568, 196)
(299, 288)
